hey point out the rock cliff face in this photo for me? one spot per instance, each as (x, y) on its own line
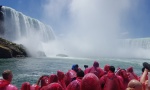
(1, 22)
(9, 49)
(1, 14)
(62, 55)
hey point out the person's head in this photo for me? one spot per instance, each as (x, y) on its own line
(35, 87)
(130, 69)
(80, 73)
(43, 80)
(7, 75)
(53, 78)
(75, 67)
(135, 85)
(106, 68)
(112, 68)
(53, 86)
(90, 82)
(60, 75)
(25, 86)
(74, 85)
(123, 73)
(96, 64)
(85, 66)
(70, 76)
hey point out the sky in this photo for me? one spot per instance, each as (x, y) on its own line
(135, 20)
(91, 27)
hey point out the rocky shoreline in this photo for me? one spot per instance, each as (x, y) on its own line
(9, 49)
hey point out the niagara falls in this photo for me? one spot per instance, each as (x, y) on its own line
(57, 34)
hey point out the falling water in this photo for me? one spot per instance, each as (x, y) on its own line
(36, 36)
(18, 25)
(25, 30)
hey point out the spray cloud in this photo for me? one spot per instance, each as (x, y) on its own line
(87, 28)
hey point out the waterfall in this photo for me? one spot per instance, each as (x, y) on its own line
(25, 30)
(18, 25)
(143, 43)
(36, 36)
(135, 48)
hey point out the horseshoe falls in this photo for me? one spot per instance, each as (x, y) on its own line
(136, 48)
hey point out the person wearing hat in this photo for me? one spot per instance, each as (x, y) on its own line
(110, 81)
(99, 72)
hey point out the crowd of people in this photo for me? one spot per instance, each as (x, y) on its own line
(91, 78)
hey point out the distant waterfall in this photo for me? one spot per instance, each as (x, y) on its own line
(135, 48)
(143, 43)
(18, 25)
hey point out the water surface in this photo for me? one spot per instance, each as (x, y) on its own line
(30, 69)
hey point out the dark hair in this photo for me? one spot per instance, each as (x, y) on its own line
(80, 73)
(112, 68)
(85, 66)
(143, 69)
(6, 74)
(76, 65)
